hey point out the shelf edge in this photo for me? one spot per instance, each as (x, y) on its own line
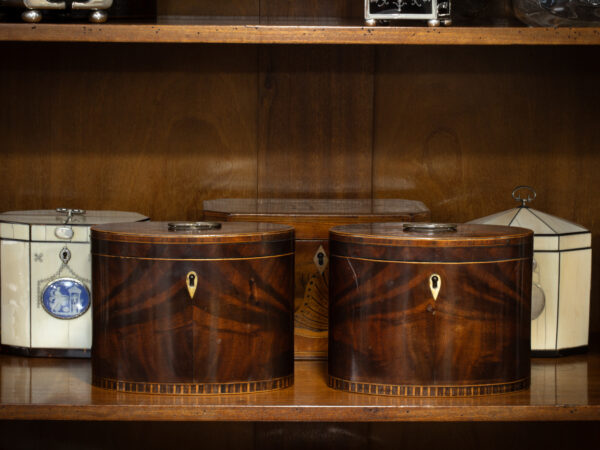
(297, 34)
(300, 414)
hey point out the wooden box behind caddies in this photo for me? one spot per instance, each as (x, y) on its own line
(444, 312)
(312, 219)
(193, 311)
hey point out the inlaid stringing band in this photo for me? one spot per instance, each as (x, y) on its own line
(471, 239)
(430, 262)
(122, 235)
(193, 259)
(245, 387)
(474, 390)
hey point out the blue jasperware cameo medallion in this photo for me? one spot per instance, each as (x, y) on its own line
(66, 298)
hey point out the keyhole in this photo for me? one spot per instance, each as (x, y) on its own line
(191, 283)
(435, 284)
(65, 255)
(321, 257)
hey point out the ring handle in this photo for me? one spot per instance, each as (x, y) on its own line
(70, 213)
(530, 196)
(192, 226)
(430, 227)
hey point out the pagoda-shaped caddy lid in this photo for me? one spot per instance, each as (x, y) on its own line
(431, 242)
(551, 232)
(192, 239)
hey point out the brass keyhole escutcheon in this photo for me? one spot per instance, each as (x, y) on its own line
(435, 284)
(191, 282)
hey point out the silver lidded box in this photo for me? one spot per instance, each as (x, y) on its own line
(33, 10)
(435, 12)
(45, 273)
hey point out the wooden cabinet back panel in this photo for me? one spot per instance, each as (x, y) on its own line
(159, 128)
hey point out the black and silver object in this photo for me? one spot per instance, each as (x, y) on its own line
(435, 12)
(555, 13)
(33, 8)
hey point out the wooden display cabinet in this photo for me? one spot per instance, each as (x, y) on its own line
(240, 99)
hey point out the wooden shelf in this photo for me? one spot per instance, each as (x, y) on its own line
(564, 389)
(252, 30)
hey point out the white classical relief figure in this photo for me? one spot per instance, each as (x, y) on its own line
(59, 302)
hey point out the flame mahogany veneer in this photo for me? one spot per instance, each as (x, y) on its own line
(233, 335)
(312, 219)
(389, 336)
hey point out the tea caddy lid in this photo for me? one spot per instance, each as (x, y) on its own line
(551, 233)
(272, 207)
(429, 234)
(430, 243)
(68, 216)
(192, 232)
(542, 224)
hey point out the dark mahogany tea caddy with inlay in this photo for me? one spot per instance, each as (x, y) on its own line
(430, 310)
(193, 308)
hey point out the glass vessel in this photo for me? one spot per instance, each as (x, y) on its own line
(552, 13)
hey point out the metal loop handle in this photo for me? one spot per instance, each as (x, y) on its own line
(70, 213)
(529, 198)
(190, 226)
(430, 227)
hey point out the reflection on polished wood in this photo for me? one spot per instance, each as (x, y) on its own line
(39, 389)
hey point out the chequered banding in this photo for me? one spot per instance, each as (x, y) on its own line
(243, 387)
(473, 390)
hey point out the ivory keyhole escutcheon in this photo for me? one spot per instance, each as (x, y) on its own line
(435, 284)
(192, 283)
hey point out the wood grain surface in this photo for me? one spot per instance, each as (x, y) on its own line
(312, 8)
(158, 129)
(251, 30)
(231, 333)
(565, 389)
(139, 129)
(465, 11)
(133, 9)
(306, 111)
(312, 220)
(470, 126)
(390, 335)
(211, 8)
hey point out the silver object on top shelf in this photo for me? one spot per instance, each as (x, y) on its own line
(33, 10)
(435, 12)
